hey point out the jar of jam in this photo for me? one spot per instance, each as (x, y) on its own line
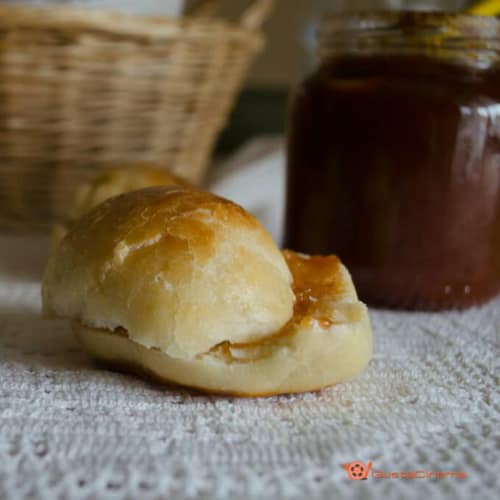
(394, 157)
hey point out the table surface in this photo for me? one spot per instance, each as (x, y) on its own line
(428, 401)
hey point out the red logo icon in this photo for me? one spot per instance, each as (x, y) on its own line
(358, 471)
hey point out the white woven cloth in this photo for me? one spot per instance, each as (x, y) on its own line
(428, 401)
(142, 7)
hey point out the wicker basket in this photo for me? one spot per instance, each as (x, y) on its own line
(82, 90)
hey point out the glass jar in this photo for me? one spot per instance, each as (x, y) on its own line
(394, 157)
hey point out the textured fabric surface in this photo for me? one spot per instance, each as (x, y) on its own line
(156, 7)
(69, 429)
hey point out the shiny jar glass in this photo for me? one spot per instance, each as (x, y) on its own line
(394, 157)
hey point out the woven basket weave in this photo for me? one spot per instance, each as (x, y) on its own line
(82, 90)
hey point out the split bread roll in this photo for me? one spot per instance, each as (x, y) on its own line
(190, 289)
(112, 182)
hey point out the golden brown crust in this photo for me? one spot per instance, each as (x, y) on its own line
(189, 287)
(180, 269)
(109, 183)
(115, 181)
(324, 343)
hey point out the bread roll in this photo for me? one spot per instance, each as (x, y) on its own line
(115, 181)
(189, 288)
(112, 182)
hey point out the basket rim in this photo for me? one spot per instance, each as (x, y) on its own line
(116, 24)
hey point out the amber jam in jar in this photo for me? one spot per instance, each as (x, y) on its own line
(394, 157)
